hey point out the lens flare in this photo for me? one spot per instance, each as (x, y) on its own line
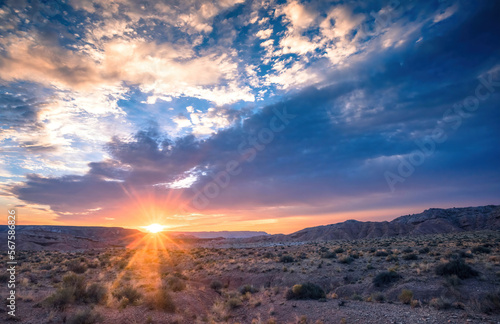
(154, 228)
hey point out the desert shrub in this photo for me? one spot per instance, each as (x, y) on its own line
(175, 284)
(305, 291)
(216, 285)
(128, 292)
(85, 316)
(4, 277)
(378, 297)
(93, 265)
(490, 303)
(440, 303)
(302, 256)
(180, 275)
(425, 250)
(339, 250)
(77, 266)
(96, 293)
(385, 278)
(408, 250)
(481, 249)
(60, 299)
(346, 260)
(329, 255)
(124, 302)
(465, 255)
(161, 300)
(391, 258)
(233, 302)
(453, 281)
(248, 288)
(287, 259)
(357, 297)
(122, 264)
(381, 253)
(75, 284)
(411, 256)
(456, 267)
(406, 296)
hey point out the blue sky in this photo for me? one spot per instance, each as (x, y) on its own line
(261, 115)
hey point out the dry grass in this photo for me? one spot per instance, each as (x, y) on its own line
(217, 284)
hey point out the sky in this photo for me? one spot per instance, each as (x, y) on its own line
(246, 115)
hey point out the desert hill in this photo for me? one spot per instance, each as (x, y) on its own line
(431, 221)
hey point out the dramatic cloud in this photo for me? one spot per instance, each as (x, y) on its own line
(249, 112)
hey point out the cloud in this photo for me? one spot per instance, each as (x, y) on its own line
(264, 33)
(362, 92)
(299, 16)
(448, 12)
(330, 157)
(339, 22)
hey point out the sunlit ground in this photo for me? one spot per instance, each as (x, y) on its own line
(149, 253)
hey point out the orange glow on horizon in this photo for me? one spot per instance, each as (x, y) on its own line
(154, 228)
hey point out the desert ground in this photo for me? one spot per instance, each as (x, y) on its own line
(445, 278)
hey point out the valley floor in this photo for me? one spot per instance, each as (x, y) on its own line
(452, 278)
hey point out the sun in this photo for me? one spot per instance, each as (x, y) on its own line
(154, 228)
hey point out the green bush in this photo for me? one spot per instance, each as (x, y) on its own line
(458, 268)
(386, 278)
(305, 291)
